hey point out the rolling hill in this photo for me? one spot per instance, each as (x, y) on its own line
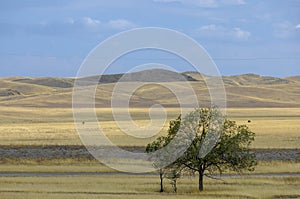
(247, 90)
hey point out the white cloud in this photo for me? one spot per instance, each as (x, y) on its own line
(201, 3)
(234, 2)
(241, 34)
(205, 3)
(83, 22)
(223, 33)
(90, 22)
(79, 26)
(95, 24)
(211, 27)
(69, 21)
(121, 24)
(285, 29)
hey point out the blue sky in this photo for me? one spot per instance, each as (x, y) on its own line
(52, 37)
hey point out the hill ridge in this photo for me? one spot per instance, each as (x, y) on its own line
(246, 90)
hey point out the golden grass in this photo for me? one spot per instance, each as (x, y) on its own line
(92, 165)
(274, 127)
(277, 167)
(242, 91)
(39, 134)
(145, 187)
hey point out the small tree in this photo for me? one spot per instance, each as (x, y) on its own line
(159, 143)
(217, 144)
(173, 174)
(172, 171)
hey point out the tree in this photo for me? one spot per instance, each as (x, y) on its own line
(159, 143)
(217, 144)
(173, 174)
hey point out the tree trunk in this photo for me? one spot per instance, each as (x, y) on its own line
(200, 185)
(161, 180)
(175, 186)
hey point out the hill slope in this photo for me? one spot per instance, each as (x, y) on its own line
(246, 90)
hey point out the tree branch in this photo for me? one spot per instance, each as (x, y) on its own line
(188, 166)
(209, 176)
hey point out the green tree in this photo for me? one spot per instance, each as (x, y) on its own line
(217, 144)
(159, 143)
(173, 174)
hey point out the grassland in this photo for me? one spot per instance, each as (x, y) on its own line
(37, 112)
(21, 127)
(145, 187)
(131, 186)
(92, 165)
(242, 91)
(274, 127)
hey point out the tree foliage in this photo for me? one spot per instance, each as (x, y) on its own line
(172, 171)
(217, 144)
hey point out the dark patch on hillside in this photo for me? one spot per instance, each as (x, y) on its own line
(9, 92)
(48, 81)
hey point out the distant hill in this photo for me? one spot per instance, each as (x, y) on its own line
(48, 81)
(154, 75)
(294, 78)
(248, 90)
(246, 79)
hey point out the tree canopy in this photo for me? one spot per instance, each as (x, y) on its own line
(216, 144)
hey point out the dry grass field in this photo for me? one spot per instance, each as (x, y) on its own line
(118, 186)
(242, 91)
(92, 165)
(274, 127)
(36, 112)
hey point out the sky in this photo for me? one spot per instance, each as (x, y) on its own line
(53, 37)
